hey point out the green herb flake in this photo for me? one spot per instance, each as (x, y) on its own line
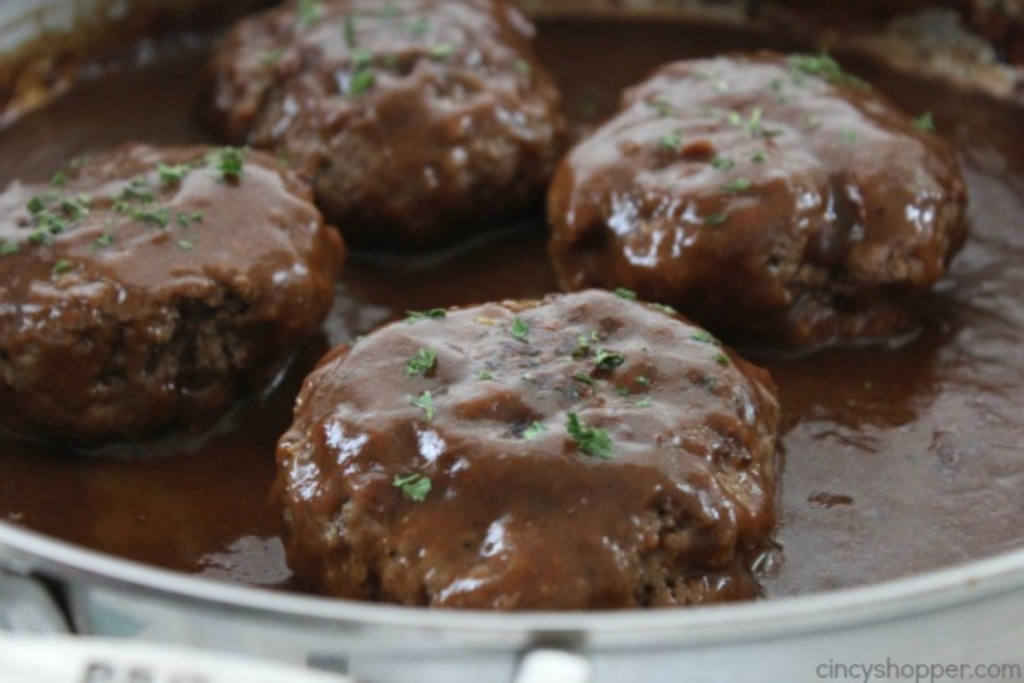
(422, 363)
(759, 157)
(850, 136)
(627, 294)
(415, 487)
(8, 247)
(662, 308)
(722, 163)
(524, 67)
(621, 390)
(662, 108)
(723, 360)
(583, 378)
(186, 245)
(925, 122)
(484, 375)
(520, 330)
(419, 27)
(716, 219)
(590, 440)
(310, 12)
(442, 50)
(608, 360)
(362, 58)
(534, 431)
(643, 380)
(673, 141)
(825, 68)
(228, 162)
(360, 82)
(703, 337)
(172, 175)
(425, 402)
(349, 31)
(738, 185)
(272, 57)
(160, 217)
(645, 402)
(104, 240)
(432, 314)
(62, 266)
(59, 179)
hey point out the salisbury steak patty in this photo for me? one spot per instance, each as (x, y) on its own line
(420, 120)
(778, 198)
(581, 452)
(146, 288)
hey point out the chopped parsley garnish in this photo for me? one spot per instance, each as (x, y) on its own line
(228, 162)
(520, 329)
(825, 68)
(705, 338)
(419, 27)
(738, 185)
(925, 122)
(523, 67)
(104, 240)
(643, 380)
(583, 344)
(362, 58)
(425, 402)
(627, 294)
(662, 308)
(590, 440)
(621, 390)
(759, 157)
(186, 245)
(662, 108)
(484, 374)
(673, 141)
(722, 163)
(62, 266)
(645, 402)
(310, 12)
(608, 360)
(415, 487)
(442, 50)
(432, 314)
(59, 179)
(362, 80)
(350, 32)
(172, 175)
(272, 57)
(534, 431)
(850, 136)
(716, 219)
(723, 360)
(583, 378)
(185, 220)
(422, 363)
(159, 216)
(7, 248)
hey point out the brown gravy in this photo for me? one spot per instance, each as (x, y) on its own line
(898, 460)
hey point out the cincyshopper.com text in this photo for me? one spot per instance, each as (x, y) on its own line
(865, 672)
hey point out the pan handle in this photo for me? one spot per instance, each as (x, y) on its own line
(554, 666)
(27, 606)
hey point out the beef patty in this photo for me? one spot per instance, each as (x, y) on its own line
(147, 288)
(774, 198)
(581, 452)
(420, 121)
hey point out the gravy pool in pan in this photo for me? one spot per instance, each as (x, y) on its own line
(899, 460)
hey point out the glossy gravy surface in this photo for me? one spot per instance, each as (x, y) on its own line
(898, 460)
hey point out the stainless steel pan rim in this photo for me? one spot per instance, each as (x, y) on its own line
(35, 554)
